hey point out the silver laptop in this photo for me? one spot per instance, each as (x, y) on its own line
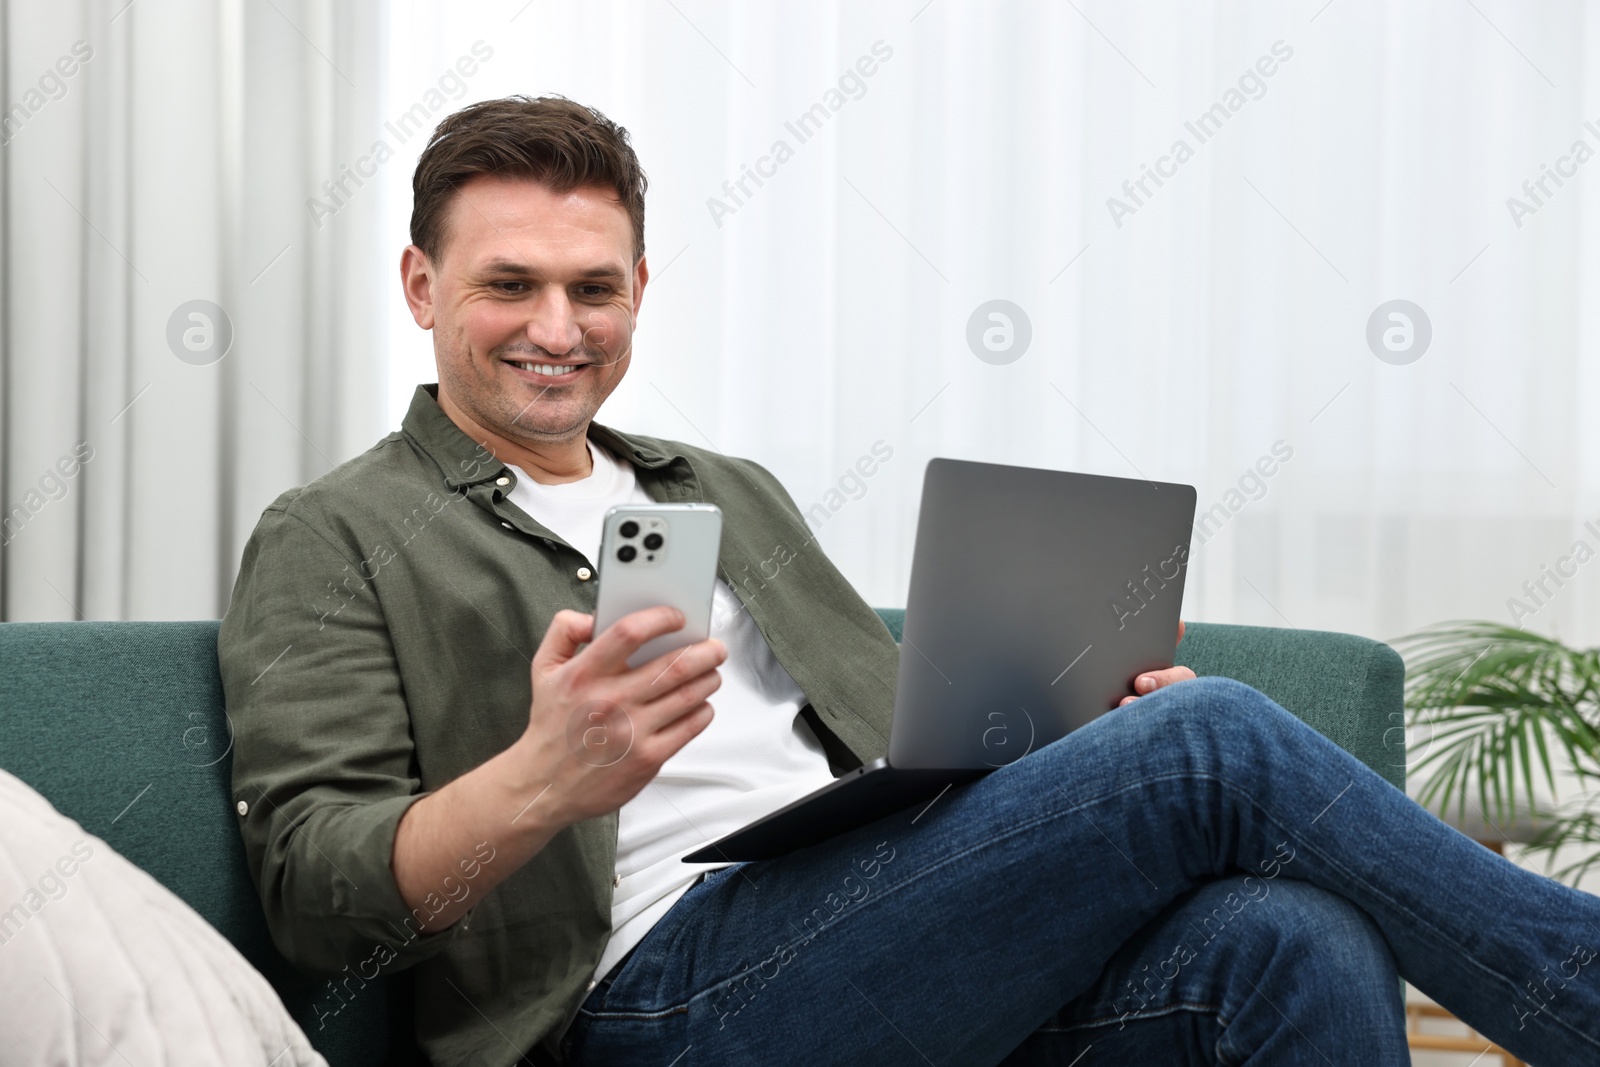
(1036, 598)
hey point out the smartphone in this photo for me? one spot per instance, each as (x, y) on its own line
(653, 554)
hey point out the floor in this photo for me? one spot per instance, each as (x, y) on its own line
(1449, 1059)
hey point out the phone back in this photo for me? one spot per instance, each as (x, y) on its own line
(653, 554)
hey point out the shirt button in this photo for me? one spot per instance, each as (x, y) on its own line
(502, 481)
(616, 881)
(242, 808)
(507, 525)
(590, 987)
(584, 574)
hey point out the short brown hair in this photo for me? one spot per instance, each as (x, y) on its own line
(550, 139)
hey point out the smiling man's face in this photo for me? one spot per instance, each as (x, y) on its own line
(532, 304)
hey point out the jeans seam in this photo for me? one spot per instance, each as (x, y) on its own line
(677, 1009)
(1098, 1023)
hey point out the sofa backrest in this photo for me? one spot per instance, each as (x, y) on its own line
(1350, 688)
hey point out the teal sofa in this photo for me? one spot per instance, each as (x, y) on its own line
(120, 725)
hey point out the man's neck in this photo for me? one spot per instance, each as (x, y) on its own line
(560, 461)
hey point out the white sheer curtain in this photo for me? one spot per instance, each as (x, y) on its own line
(155, 154)
(1225, 313)
(955, 153)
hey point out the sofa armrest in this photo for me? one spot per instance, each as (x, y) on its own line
(1350, 688)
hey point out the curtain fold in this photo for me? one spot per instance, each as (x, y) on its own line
(168, 177)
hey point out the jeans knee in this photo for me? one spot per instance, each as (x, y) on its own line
(1214, 707)
(1219, 694)
(1275, 950)
(1299, 925)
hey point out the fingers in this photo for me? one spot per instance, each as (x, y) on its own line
(671, 669)
(568, 629)
(1180, 631)
(661, 713)
(684, 728)
(608, 652)
(1150, 681)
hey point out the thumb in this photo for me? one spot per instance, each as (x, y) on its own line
(568, 630)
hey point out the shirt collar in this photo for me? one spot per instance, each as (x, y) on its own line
(464, 462)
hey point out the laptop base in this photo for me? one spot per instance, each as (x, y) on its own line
(854, 799)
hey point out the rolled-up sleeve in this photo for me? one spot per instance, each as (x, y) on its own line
(323, 761)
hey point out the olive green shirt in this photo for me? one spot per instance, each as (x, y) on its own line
(378, 645)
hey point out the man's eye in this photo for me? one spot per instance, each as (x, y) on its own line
(593, 291)
(511, 287)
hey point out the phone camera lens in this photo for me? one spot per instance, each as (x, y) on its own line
(652, 541)
(626, 553)
(628, 529)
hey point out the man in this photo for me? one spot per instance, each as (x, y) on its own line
(440, 767)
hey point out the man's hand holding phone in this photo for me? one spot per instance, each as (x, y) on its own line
(599, 730)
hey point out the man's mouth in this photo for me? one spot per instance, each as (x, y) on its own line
(548, 370)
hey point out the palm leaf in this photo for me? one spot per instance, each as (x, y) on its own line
(1487, 700)
(1575, 824)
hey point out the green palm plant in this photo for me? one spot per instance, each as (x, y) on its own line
(1495, 709)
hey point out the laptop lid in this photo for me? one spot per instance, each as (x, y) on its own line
(1036, 597)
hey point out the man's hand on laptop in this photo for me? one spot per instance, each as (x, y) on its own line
(1150, 681)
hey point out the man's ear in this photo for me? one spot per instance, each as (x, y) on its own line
(641, 275)
(416, 281)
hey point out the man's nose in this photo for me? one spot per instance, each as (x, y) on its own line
(553, 326)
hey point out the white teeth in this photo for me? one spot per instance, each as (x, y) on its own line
(546, 369)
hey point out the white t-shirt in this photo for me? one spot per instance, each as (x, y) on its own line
(757, 754)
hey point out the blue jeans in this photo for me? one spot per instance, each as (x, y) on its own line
(1196, 878)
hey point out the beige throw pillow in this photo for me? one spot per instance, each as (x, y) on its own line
(101, 964)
